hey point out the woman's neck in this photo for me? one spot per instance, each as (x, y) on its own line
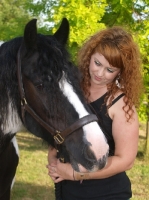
(96, 91)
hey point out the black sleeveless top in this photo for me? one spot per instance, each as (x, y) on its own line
(117, 187)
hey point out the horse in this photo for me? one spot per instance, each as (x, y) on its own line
(40, 92)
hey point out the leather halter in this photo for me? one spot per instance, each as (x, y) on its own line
(59, 136)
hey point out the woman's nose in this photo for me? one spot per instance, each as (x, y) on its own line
(100, 72)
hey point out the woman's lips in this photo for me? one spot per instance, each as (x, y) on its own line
(97, 78)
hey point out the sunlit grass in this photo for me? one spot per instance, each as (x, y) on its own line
(33, 183)
(139, 174)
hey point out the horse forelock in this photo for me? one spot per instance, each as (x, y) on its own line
(52, 54)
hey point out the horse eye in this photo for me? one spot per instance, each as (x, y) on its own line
(39, 86)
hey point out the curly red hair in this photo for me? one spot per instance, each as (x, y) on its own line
(120, 50)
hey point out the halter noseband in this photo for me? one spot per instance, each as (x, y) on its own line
(59, 136)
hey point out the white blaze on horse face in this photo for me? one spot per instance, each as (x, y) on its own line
(13, 123)
(92, 131)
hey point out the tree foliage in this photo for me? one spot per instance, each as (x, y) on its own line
(84, 17)
(13, 16)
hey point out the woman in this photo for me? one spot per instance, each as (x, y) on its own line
(112, 83)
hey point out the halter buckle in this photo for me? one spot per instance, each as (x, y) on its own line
(23, 102)
(58, 138)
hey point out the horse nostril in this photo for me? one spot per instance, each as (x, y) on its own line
(88, 153)
(102, 162)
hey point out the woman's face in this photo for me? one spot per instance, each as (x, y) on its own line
(101, 72)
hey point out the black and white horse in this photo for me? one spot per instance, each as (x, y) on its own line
(40, 91)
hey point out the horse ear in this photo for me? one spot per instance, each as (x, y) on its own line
(63, 32)
(30, 34)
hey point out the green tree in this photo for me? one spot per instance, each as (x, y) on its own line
(84, 17)
(88, 16)
(13, 16)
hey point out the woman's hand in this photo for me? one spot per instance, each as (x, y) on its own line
(52, 155)
(60, 171)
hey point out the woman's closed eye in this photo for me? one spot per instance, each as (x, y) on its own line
(97, 63)
(110, 70)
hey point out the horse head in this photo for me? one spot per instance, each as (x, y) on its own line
(52, 101)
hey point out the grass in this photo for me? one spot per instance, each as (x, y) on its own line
(139, 174)
(33, 183)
